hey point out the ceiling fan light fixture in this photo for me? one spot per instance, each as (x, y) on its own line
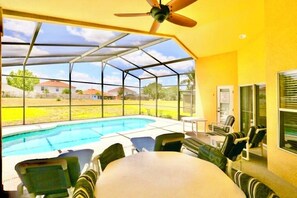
(242, 36)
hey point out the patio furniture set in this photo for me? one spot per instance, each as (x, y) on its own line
(158, 169)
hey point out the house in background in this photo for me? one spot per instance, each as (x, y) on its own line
(53, 86)
(115, 93)
(10, 91)
(93, 94)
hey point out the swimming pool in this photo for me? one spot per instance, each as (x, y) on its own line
(66, 136)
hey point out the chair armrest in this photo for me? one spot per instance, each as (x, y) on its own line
(20, 189)
(222, 126)
(241, 139)
(178, 139)
(96, 165)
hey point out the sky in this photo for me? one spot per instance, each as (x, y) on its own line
(21, 31)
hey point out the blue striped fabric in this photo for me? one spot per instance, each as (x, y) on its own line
(85, 185)
(252, 187)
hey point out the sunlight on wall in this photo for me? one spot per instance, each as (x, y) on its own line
(213, 71)
(281, 47)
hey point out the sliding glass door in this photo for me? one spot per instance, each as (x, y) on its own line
(252, 106)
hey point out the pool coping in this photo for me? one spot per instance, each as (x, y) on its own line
(15, 130)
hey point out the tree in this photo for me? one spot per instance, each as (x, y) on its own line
(65, 91)
(190, 81)
(15, 79)
(150, 90)
(45, 91)
(170, 93)
(79, 91)
(120, 91)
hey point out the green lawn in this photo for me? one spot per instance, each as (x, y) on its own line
(51, 110)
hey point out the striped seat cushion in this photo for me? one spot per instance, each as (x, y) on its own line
(192, 144)
(85, 185)
(252, 187)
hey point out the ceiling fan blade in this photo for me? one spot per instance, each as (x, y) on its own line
(181, 20)
(131, 14)
(175, 5)
(154, 3)
(155, 26)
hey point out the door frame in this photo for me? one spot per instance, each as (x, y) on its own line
(231, 98)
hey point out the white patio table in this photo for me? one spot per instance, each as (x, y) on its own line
(164, 174)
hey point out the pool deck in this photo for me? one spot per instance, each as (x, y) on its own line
(161, 126)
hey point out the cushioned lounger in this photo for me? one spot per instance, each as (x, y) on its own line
(193, 144)
(144, 142)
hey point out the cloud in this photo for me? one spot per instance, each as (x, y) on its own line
(24, 27)
(91, 35)
(112, 80)
(161, 56)
(19, 50)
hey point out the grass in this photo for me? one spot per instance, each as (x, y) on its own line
(41, 110)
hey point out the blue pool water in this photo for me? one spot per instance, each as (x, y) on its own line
(66, 136)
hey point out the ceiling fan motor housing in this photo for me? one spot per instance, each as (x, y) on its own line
(160, 14)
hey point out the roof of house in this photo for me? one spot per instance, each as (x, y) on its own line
(91, 92)
(55, 83)
(115, 90)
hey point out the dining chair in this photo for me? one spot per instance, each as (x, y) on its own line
(52, 177)
(113, 152)
(85, 185)
(252, 187)
(222, 129)
(164, 142)
(84, 157)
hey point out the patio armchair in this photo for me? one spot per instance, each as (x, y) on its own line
(164, 142)
(222, 129)
(252, 187)
(231, 148)
(51, 177)
(256, 137)
(113, 152)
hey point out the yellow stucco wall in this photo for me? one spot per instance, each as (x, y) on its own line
(281, 47)
(258, 61)
(251, 62)
(213, 71)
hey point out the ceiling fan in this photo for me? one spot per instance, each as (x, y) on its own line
(162, 12)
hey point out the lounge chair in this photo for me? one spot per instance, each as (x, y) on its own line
(51, 177)
(252, 187)
(164, 142)
(113, 152)
(222, 129)
(84, 157)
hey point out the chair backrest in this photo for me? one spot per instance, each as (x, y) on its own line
(252, 187)
(169, 142)
(51, 176)
(213, 155)
(84, 156)
(231, 147)
(229, 122)
(258, 137)
(85, 185)
(113, 152)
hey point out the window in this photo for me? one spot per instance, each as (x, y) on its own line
(42, 88)
(288, 110)
(57, 89)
